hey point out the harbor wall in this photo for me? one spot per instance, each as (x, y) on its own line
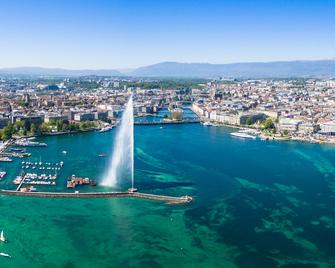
(169, 199)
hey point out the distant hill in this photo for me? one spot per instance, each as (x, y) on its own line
(38, 71)
(279, 69)
(241, 70)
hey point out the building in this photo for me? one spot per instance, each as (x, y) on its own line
(84, 117)
(29, 119)
(4, 121)
(230, 118)
(103, 116)
(327, 128)
(288, 124)
(55, 117)
(308, 128)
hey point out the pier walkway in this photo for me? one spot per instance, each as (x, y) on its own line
(20, 184)
(168, 199)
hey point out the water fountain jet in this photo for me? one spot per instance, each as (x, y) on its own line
(122, 162)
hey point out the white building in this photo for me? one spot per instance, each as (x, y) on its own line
(328, 128)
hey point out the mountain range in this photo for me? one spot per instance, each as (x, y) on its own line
(39, 71)
(278, 69)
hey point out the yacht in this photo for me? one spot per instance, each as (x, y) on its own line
(207, 124)
(242, 135)
(104, 129)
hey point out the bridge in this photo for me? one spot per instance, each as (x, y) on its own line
(165, 198)
(193, 121)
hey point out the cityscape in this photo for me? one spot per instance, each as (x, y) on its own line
(280, 109)
(167, 134)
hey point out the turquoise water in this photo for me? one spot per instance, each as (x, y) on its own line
(257, 204)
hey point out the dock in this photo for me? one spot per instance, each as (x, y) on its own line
(20, 184)
(165, 198)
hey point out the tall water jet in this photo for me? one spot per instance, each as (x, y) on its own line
(122, 162)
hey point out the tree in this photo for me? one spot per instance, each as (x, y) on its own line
(33, 128)
(73, 127)
(59, 125)
(248, 121)
(44, 128)
(18, 125)
(65, 127)
(27, 125)
(7, 132)
(268, 124)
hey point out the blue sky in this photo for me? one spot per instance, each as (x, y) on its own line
(130, 33)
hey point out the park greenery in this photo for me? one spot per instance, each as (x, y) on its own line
(268, 126)
(167, 84)
(24, 128)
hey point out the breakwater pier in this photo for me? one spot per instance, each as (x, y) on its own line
(165, 198)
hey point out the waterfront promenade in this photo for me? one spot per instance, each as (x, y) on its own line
(165, 198)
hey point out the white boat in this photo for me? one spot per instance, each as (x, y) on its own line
(5, 255)
(64, 152)
(242, 135)
(2, 237)
(104, 129)
(2, 174)
(207, 124)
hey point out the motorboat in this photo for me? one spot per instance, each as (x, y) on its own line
(5, 255)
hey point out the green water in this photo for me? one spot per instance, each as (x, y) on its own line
(257, 204)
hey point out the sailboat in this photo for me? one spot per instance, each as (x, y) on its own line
(2, 237)
(5, 255)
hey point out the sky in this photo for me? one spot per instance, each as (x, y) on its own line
(95, 34)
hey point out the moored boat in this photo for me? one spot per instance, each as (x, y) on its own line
(242, 135)
(104, 129)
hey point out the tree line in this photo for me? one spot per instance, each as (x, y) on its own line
(25, 128)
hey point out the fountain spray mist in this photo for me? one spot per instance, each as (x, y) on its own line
(122, 162)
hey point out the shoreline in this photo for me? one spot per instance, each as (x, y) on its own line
(263, 136)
